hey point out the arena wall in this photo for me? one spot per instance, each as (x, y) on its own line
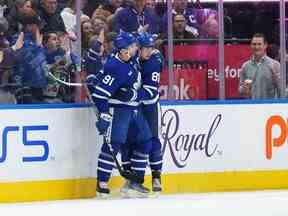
(49, 152)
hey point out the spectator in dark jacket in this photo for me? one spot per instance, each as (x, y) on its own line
(50, 16)
(109, 6)
(181, 7)
(179, 28)
(137, 18)
(6, 65)
(20, 7)
(30, 67)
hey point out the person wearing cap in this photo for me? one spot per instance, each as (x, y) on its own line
(115, 115)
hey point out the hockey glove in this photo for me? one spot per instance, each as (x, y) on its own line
(103, 123)
(126, 95)
(91, 80)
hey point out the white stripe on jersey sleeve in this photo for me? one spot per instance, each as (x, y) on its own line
(150, 87)
(103, 90)
(99, 96)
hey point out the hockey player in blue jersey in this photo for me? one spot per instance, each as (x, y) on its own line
(150, 61)
(115, 115)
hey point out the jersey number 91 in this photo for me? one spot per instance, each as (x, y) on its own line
(108, 80)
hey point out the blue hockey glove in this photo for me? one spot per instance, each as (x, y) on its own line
(103, 123)
(126, 95)
(91, 79)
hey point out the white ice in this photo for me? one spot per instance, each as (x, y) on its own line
(264, 203)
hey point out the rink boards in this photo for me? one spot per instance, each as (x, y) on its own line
(50, 152)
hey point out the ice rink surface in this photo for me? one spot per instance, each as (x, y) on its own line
(264, 203)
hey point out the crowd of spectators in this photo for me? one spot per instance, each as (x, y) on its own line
(37, 48)
(38, 37)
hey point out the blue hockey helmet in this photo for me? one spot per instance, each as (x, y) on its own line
(146, 40)
(124, 40)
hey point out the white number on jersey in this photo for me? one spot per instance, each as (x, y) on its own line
(137, 84)
(156, 77)
(108, 80)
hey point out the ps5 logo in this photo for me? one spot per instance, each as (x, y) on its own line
(24, 131)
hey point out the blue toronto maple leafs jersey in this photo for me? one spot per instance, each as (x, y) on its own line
(150, 74)
(93, 63)
(117, 75)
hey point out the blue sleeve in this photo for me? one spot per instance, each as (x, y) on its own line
(112, 79)
(93, 62)
(120, 21)
(153, 21)
(151, 77)
(163, 24)
(126, 20)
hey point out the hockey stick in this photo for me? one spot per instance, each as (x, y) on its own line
(64, 82)
(131, 176)
(125, 174)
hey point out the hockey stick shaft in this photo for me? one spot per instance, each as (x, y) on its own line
(65, 83)
(125, 174)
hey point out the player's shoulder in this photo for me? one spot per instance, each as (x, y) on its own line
(115, 65)
(156, 57)
(156, 54)
(114, 61)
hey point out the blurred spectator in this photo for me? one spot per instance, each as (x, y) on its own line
(151, 4)
(179, 27)
(58, 63)
(181, 7)
(273, 51)
(99, 23)
(260, 76)
(87, 32)
(137, 18)
(92, 5)
(209, 28)
(241, 21)
(68, 15)
(61, 3)
(265, 18)
(7, 59)
(55, 59)
(109, 7)
(20, 7)
(50, 16)
(4, 26)
(107, 11)
(53, 51)
(204, 20)
(109, 43)
(30, 67)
